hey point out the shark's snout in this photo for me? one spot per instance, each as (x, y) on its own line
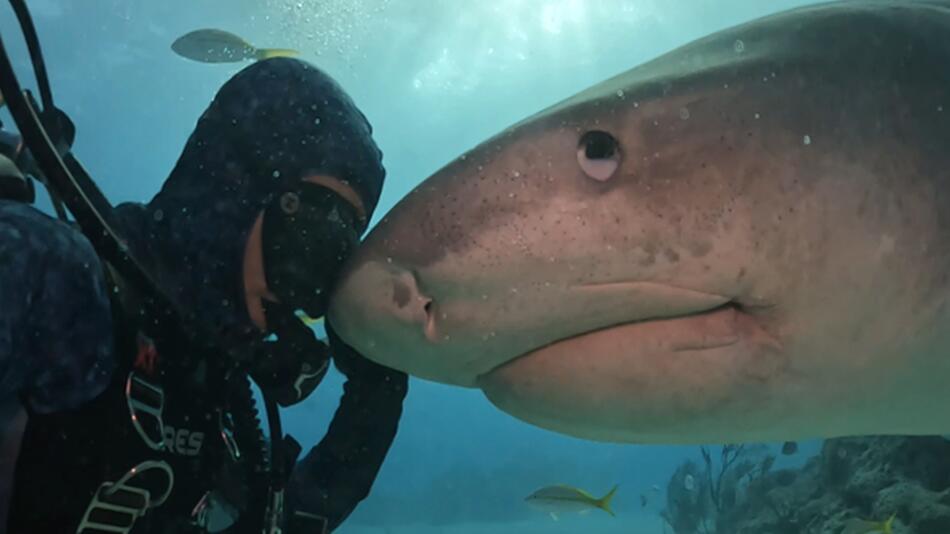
(381, 308)
(385, 292)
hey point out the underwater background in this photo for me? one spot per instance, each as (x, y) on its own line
(434, 77)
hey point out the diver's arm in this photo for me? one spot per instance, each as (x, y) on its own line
(338, 473)
(55, 314)
(56, 334)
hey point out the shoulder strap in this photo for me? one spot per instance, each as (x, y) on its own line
(13, 185)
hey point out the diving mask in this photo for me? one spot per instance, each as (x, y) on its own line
(307, 233)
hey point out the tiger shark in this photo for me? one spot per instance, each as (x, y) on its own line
(745, 239)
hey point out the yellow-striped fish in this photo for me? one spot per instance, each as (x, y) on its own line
(863, 526)
(219, 46)
(565, 499)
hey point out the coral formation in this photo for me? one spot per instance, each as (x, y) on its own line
(868, 478)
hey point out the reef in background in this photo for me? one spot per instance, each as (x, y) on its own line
(868, 478)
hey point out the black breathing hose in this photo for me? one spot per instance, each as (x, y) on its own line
(36, 54)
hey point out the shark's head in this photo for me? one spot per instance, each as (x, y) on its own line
(669, 256)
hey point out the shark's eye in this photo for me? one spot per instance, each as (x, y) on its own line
(598, 155)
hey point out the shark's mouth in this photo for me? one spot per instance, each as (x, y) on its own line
(703, 329)
(644, 380)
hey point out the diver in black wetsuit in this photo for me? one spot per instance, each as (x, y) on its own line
(150, 431)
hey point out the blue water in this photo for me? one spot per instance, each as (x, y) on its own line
(434, 78)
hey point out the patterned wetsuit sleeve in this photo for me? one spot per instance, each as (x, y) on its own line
(338, 473)
(55, 323)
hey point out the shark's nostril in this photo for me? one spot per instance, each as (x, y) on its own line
(429, 324)
(409, 303)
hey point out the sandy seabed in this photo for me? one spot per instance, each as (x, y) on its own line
(640, 524)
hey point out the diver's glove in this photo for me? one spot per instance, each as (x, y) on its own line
(289, 365)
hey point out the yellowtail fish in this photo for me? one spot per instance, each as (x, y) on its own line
(566, 499)
(863, 526)
(219, 46)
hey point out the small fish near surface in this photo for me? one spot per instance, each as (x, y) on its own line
(562, 498)
(218, 46)
(863, 526)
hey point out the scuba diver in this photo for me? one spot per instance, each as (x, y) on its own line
(128, 350)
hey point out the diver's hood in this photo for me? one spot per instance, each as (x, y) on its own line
(272, 124)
